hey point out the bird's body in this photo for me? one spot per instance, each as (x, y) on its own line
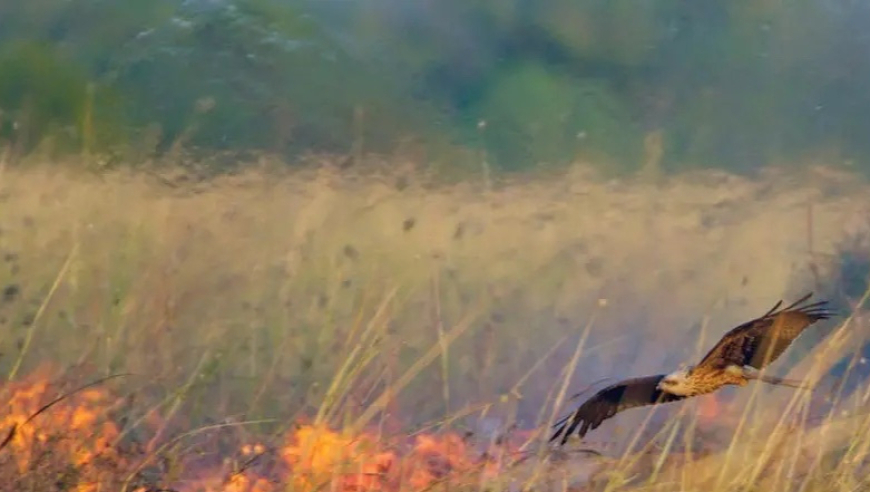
(734, 360)
(702, 380)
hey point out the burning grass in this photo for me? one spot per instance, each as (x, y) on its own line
(71, 442)
(77, 440)
(287, 331)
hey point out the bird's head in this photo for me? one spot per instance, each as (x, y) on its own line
(677, 382)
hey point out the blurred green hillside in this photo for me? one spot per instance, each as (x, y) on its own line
(665, 85)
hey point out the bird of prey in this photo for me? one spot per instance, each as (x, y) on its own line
(735, 360)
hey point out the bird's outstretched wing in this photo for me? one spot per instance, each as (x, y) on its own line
(611, 400)
(760, 341)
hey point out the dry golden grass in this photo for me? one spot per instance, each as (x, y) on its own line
(384, 301)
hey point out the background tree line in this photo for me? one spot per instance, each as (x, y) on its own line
(723, 83)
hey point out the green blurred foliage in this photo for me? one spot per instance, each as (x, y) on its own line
(728, 84)
(536, 115)
(614, 32)
(265, 77)
(40, 94)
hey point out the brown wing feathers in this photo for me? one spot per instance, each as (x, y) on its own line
(761, 341)
(610, 401)
(775, 335)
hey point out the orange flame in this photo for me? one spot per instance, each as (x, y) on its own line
(75, 431)
(318, 456)
(313, 458)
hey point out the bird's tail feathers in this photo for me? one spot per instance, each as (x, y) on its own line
(792, 383)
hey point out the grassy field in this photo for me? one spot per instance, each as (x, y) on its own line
(283, 311)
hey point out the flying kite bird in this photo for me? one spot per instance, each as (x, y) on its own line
(735, 360)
